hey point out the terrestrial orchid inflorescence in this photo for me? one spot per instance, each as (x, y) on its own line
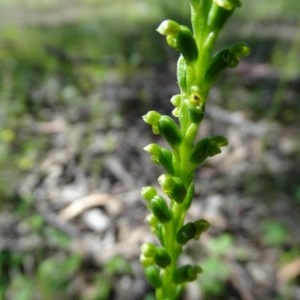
(197, 69)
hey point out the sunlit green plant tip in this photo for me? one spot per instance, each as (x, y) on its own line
(198, 67)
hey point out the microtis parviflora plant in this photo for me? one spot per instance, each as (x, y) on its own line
(198, 67)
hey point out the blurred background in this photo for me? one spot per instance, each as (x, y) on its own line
(75, 78)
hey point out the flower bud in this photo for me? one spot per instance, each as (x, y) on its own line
(152, 221)
(176, 100)
(162, 258)
(173, 187)
(160, 209)
(201, 226)
(196, 114)
(154, 225)
(152, 118)
(219, 140)
(228, 4)
(165, 158)
(186, 273)
(186, 44)
(154, 150)
(191, 133)
(180, 38)
(148, 250)
(181, 73)
(170, 130)
(219, 63)
(172, 41)
(153, 276)
(215, 143)
(168, 27)
(148, 192)
(146, 261)
(199, 153)
(239, 50)
(186, 233)
(219, 13)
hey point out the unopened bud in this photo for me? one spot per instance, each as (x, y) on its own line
(186, 273)
(160, 209)
(162, 258)
(168, 27)
(228, 4)
(148, 250)
(153, 276)
(152, 118)
(186, 232)
(201, 226)
(239, 50)
(181, 73)
(148, 192)
(170, 130)
(173, 187)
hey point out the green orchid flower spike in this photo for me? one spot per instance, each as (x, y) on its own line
(198, 67)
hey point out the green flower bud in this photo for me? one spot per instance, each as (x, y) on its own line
(148, 192)
(165, 158)
(161, 156)
(199, 153)
(176, 100)
(176, 112)
(170, 130)
(162, 258)
(186, 44)
(186, 233)
(168, 27)
(218, 64)
(196, 97)
(191, 133)
(155, 151)
(201, 226)
(167, 182)
(219, 13)
(180, 38)
(153, 276)
(152, 118)
(148, 250)
(173, 187)
(239, 50)
(153, 224)
(219, 140)
(152, 221)
(196, 114)
(186, 273)
(146, 261)
(228, 4)
(206, 147)
(181, 73)
(160, 209)
(172, 41)
(213, 150)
